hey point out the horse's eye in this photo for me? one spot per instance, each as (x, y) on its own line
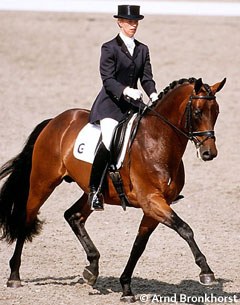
(197, 113)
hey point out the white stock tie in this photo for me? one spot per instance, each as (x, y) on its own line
(129, 43)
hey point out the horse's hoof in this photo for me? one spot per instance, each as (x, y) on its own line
(128, 299)
(207, 279)
(14, 284)
(89, 277)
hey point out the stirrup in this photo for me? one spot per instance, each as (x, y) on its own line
(95, 200)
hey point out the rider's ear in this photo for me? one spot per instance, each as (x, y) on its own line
(218, 86)
(198, 85)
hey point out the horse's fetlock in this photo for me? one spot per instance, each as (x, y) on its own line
(200, 260)
(125, 281)
(93, 257)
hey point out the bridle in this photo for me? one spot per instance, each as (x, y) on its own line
(190, 134)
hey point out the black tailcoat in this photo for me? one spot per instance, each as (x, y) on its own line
(118, 70)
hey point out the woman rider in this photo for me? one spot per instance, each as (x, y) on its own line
(124, 60)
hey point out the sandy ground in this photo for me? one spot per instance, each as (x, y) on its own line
(49, 63)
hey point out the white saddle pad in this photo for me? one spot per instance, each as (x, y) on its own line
(88, 138)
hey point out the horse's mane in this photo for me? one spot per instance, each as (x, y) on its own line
(172, 85)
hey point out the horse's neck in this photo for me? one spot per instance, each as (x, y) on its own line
(173, 104)
(168, 140)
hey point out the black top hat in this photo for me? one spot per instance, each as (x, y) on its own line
(129, 12)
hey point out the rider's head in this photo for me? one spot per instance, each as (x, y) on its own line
(127, 18)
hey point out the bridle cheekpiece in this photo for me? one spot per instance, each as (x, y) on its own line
(192, 135)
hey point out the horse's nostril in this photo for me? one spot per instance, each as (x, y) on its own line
(206, 155)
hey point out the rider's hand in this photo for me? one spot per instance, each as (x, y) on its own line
(154, 97)
(135, 94)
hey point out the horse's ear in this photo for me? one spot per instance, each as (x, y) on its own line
(198, 85)
(218, 86)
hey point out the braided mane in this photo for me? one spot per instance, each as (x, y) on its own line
(173, 85)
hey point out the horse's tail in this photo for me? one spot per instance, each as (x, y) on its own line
(14, 192)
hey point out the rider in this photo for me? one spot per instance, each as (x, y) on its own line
(123, 62)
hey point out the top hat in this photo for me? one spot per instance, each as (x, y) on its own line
(129, 12)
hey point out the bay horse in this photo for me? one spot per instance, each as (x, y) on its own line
(152, 174)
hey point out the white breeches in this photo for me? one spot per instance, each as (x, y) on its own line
(107, 127)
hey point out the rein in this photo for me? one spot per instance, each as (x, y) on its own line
(191, 135)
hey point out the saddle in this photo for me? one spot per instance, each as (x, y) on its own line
(90, 137)
(116, 147)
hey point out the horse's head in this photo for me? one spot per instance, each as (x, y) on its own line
(201, 115)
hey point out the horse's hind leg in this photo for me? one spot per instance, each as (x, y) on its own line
(32, 227)
(14, 280)
(146, 228)
(76, 216)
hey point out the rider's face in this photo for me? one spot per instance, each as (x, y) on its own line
(128, 26)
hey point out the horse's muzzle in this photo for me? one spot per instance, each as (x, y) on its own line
(207, 153)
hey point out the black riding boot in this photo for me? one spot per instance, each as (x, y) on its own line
(100, 163)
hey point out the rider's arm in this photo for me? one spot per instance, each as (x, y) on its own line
(108, 71)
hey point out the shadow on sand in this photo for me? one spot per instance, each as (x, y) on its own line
(190, 289)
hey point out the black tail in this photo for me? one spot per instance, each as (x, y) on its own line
(14, 192)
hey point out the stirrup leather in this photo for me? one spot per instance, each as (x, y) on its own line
(118, 184)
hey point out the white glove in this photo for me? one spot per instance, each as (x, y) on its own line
(135, 94)
(154, 97)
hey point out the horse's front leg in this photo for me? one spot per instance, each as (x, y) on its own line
(146, 228)
(184, 230)
(161, 211)
(76, 216)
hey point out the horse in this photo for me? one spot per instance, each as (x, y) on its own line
(152, 174)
